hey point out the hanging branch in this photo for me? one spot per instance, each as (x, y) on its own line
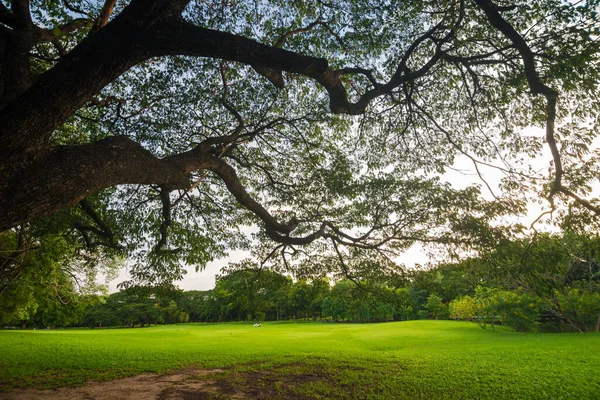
(537, 86)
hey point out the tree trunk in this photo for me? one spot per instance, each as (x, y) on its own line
(65, 175)
(38, 179)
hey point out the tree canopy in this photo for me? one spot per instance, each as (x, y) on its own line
(158, 129)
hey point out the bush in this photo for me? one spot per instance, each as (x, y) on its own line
(464, 308)
(580, 307)
(520, 311)
(516, 309)
(435, 307)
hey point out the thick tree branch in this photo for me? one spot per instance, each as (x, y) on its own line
(86, 169)
(178, 37)
(22, 14)
(138, 34)
(66, 175)
(15, 46)
(231, 180)
(131, 44)
(275, 76)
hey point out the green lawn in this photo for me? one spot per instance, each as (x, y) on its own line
(416, 359)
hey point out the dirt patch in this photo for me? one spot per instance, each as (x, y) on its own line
(184, 385)
(280, 382)
(287, 381)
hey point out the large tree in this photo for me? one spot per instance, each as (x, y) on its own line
(169, 124)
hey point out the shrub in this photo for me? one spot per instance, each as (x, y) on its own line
(463, 308)
(580, 307)
(435, 307)
(516, 309)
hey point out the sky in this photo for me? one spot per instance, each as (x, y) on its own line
(201, 280)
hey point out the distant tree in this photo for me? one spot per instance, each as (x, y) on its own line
(97, 315)
(435, 307)
(464, 308)
(301, 299)
(250, 292)
(335, 307)
(319, 290)
(487, 308)
(517, 309)
(193, 303)
(345, 300)
(281, 299)
(579, 307)
(170, 313)
(383, 311)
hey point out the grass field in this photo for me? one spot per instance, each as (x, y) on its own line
(416, 359)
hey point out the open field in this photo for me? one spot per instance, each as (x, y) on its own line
(417, 359)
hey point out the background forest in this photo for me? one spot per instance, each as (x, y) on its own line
(550, 285)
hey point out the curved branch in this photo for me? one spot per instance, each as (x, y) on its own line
(492, 11)
(231, 180)
(136, 35)
(74, 9)
(338, 96)
(67, 174)
(104, 230)
(536, 85)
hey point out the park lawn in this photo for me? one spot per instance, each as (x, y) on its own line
(414, 359)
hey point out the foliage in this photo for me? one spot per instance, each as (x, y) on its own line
(365, 303)
(246, 291)
(327, 124)
(580, 306)
(54, 278)
(516, 309)
(464, 308)
(435, 307)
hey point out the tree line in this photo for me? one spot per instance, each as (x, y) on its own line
(551, 284)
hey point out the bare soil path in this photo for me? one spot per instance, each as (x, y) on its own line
(183, 385)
